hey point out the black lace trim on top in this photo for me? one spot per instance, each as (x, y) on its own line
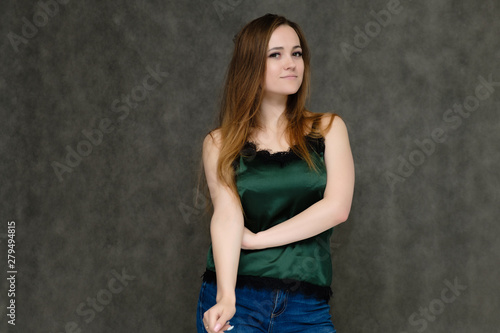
(249, 152)
(291, 285)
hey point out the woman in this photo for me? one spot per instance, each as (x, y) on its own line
(266, 166)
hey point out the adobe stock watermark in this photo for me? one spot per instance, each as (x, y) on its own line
(87, 309)
(420, 320)
(372, 29)
(188, 211)
(224, 6)
(309, 265)
(121, 106)
(43, 13)
(453, 119)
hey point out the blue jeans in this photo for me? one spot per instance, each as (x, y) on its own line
(270, 311)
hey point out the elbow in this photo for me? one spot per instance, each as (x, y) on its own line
(344, 216)
(339, 214)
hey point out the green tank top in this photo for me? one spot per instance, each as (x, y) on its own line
(273, 187)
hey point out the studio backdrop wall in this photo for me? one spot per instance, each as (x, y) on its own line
(104, 106)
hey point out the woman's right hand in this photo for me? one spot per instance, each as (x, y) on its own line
(216, 319)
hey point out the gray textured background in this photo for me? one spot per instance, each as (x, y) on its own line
(127, 207)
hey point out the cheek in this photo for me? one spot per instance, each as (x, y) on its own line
(301, 66)
(272, 70)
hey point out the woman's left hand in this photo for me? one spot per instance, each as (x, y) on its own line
(249, 239)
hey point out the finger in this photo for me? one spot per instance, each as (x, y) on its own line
(227, 328)
(210, 320)
(206, 325)
(219, 327)
(206, 318)
(208, 328)
(215, 321)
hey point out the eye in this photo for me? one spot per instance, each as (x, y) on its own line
(297, 54)
(274, 55)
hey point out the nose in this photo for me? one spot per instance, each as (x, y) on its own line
(289, 63)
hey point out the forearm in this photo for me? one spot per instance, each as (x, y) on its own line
(319, 217)
(226, 234)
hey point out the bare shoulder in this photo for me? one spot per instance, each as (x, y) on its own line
(333, 125)
(210, 154)
(212, 141)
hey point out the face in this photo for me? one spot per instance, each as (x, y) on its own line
(284, 64)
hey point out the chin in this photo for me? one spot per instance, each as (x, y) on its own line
(284, 92)
(290, 91)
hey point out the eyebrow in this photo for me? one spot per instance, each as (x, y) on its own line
(281, 48)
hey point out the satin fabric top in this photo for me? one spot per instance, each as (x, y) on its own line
(274, 187)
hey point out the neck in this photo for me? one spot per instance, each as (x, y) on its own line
(272, 110)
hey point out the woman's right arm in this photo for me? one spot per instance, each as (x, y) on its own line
(226, 230)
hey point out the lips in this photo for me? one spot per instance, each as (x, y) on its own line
(289, 77)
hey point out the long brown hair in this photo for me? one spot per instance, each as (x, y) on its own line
(242, 97)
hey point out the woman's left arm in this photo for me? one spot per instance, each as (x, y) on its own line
(328, 212)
